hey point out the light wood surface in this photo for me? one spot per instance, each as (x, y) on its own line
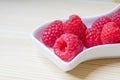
(20, 59)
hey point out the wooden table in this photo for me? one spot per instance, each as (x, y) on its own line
(20, 59)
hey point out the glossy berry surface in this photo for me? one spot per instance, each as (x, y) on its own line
(100, 22)
(92, 37)
(52, 32)
(116, 17)
(110, 33)
(67, 46)
(74, 25)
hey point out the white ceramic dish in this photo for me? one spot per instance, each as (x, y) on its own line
(102, 51)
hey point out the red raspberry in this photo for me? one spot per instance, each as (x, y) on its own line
(67, 46)
(92, 37)
(110, 33)
(52, 32)
(99, 23)
(75, 26)
(116, 17)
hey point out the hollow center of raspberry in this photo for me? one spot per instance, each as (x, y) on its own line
(63, 46)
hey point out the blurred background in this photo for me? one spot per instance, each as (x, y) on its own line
(20, 59)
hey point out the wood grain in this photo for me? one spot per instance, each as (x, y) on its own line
(20, 59)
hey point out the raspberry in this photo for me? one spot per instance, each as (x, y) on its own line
(92, 37)
(67, 46)
(116, 17)
(75, 26)
(110, 33)
(52, 32)
(99, 23)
